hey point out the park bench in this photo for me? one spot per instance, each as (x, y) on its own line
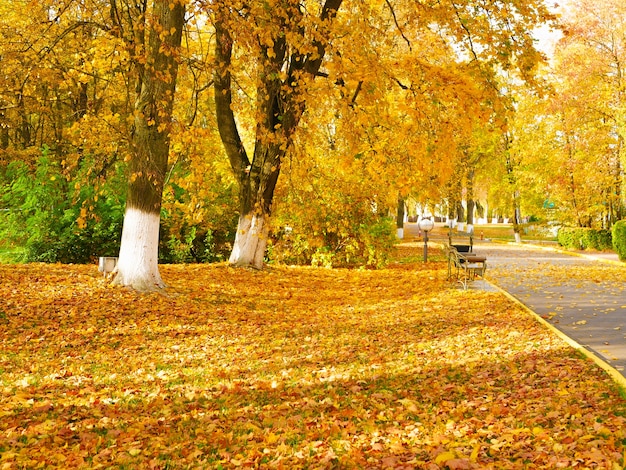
(463, 264)
(464, 243)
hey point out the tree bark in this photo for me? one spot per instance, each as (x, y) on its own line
(400, 217)
(138, 257)
(470, 200)
(460, 211)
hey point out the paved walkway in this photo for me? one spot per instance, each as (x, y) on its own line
(584, 297)
(581, 294)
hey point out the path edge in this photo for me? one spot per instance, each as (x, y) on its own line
(613, 373)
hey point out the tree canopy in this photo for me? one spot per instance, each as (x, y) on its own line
(297, 125)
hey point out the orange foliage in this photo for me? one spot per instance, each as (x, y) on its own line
(290, 368)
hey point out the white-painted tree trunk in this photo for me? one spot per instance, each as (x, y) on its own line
(400, 233)
(139, 252)
(250, 242)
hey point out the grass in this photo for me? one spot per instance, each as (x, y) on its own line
(12, 255)
(505, 232)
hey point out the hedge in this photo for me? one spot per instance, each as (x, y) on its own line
(580, 238)
(619, 239)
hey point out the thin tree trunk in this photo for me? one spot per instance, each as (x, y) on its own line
(470, 201)
(510, 170)
(138, 257)
(400, 217)
(460, 212)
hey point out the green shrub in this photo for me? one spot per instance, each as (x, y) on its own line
(188, 236)
(582, 238)
(619, 239)
(598, 239)
(196, 244)
(56, 219)
(566, 237)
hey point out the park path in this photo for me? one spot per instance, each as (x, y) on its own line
(581, 294)
(584, 296)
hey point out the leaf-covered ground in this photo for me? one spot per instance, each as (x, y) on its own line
(291, 368)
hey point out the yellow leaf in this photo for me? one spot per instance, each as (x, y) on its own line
(410, 405)
(537, 430)
(444, 457)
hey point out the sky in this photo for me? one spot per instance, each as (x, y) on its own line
(548, 38)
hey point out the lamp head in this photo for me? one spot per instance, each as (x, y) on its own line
(426, 225)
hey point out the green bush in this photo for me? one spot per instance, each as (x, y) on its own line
(50, 215)
(619, 239)
(58, 219)
(566, 237)
(196, 244)
(581, 238)
(599, 239)
(185, 236)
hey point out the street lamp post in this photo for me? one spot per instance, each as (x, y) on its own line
(426, 225)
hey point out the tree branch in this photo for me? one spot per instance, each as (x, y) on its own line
(466, 29)
(226, 123)
(356, 93)
(329, 11)
(395, 20)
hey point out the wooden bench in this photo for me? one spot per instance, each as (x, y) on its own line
(464, 264)
(463, 244)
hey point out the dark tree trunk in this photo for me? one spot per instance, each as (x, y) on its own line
(470, 199)
(138, 258)
(460, 212)
(400, 217)
(510, 170)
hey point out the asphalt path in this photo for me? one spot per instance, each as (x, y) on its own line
(584, 296)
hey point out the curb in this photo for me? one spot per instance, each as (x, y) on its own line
(613, 373)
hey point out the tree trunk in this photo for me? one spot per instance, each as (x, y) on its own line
(400, 218)
(517, 217)
(256, 195)
(470, 201)
(283, 68)
(510, 170)
(617, 206)
(138, 257)
(460, 212)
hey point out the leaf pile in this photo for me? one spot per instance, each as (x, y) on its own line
(290, 368)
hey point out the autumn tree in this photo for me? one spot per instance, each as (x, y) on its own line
(286, 44)
(591, 106)
(397, 104)
(569, 143)
(526, 156)
(62, 119)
